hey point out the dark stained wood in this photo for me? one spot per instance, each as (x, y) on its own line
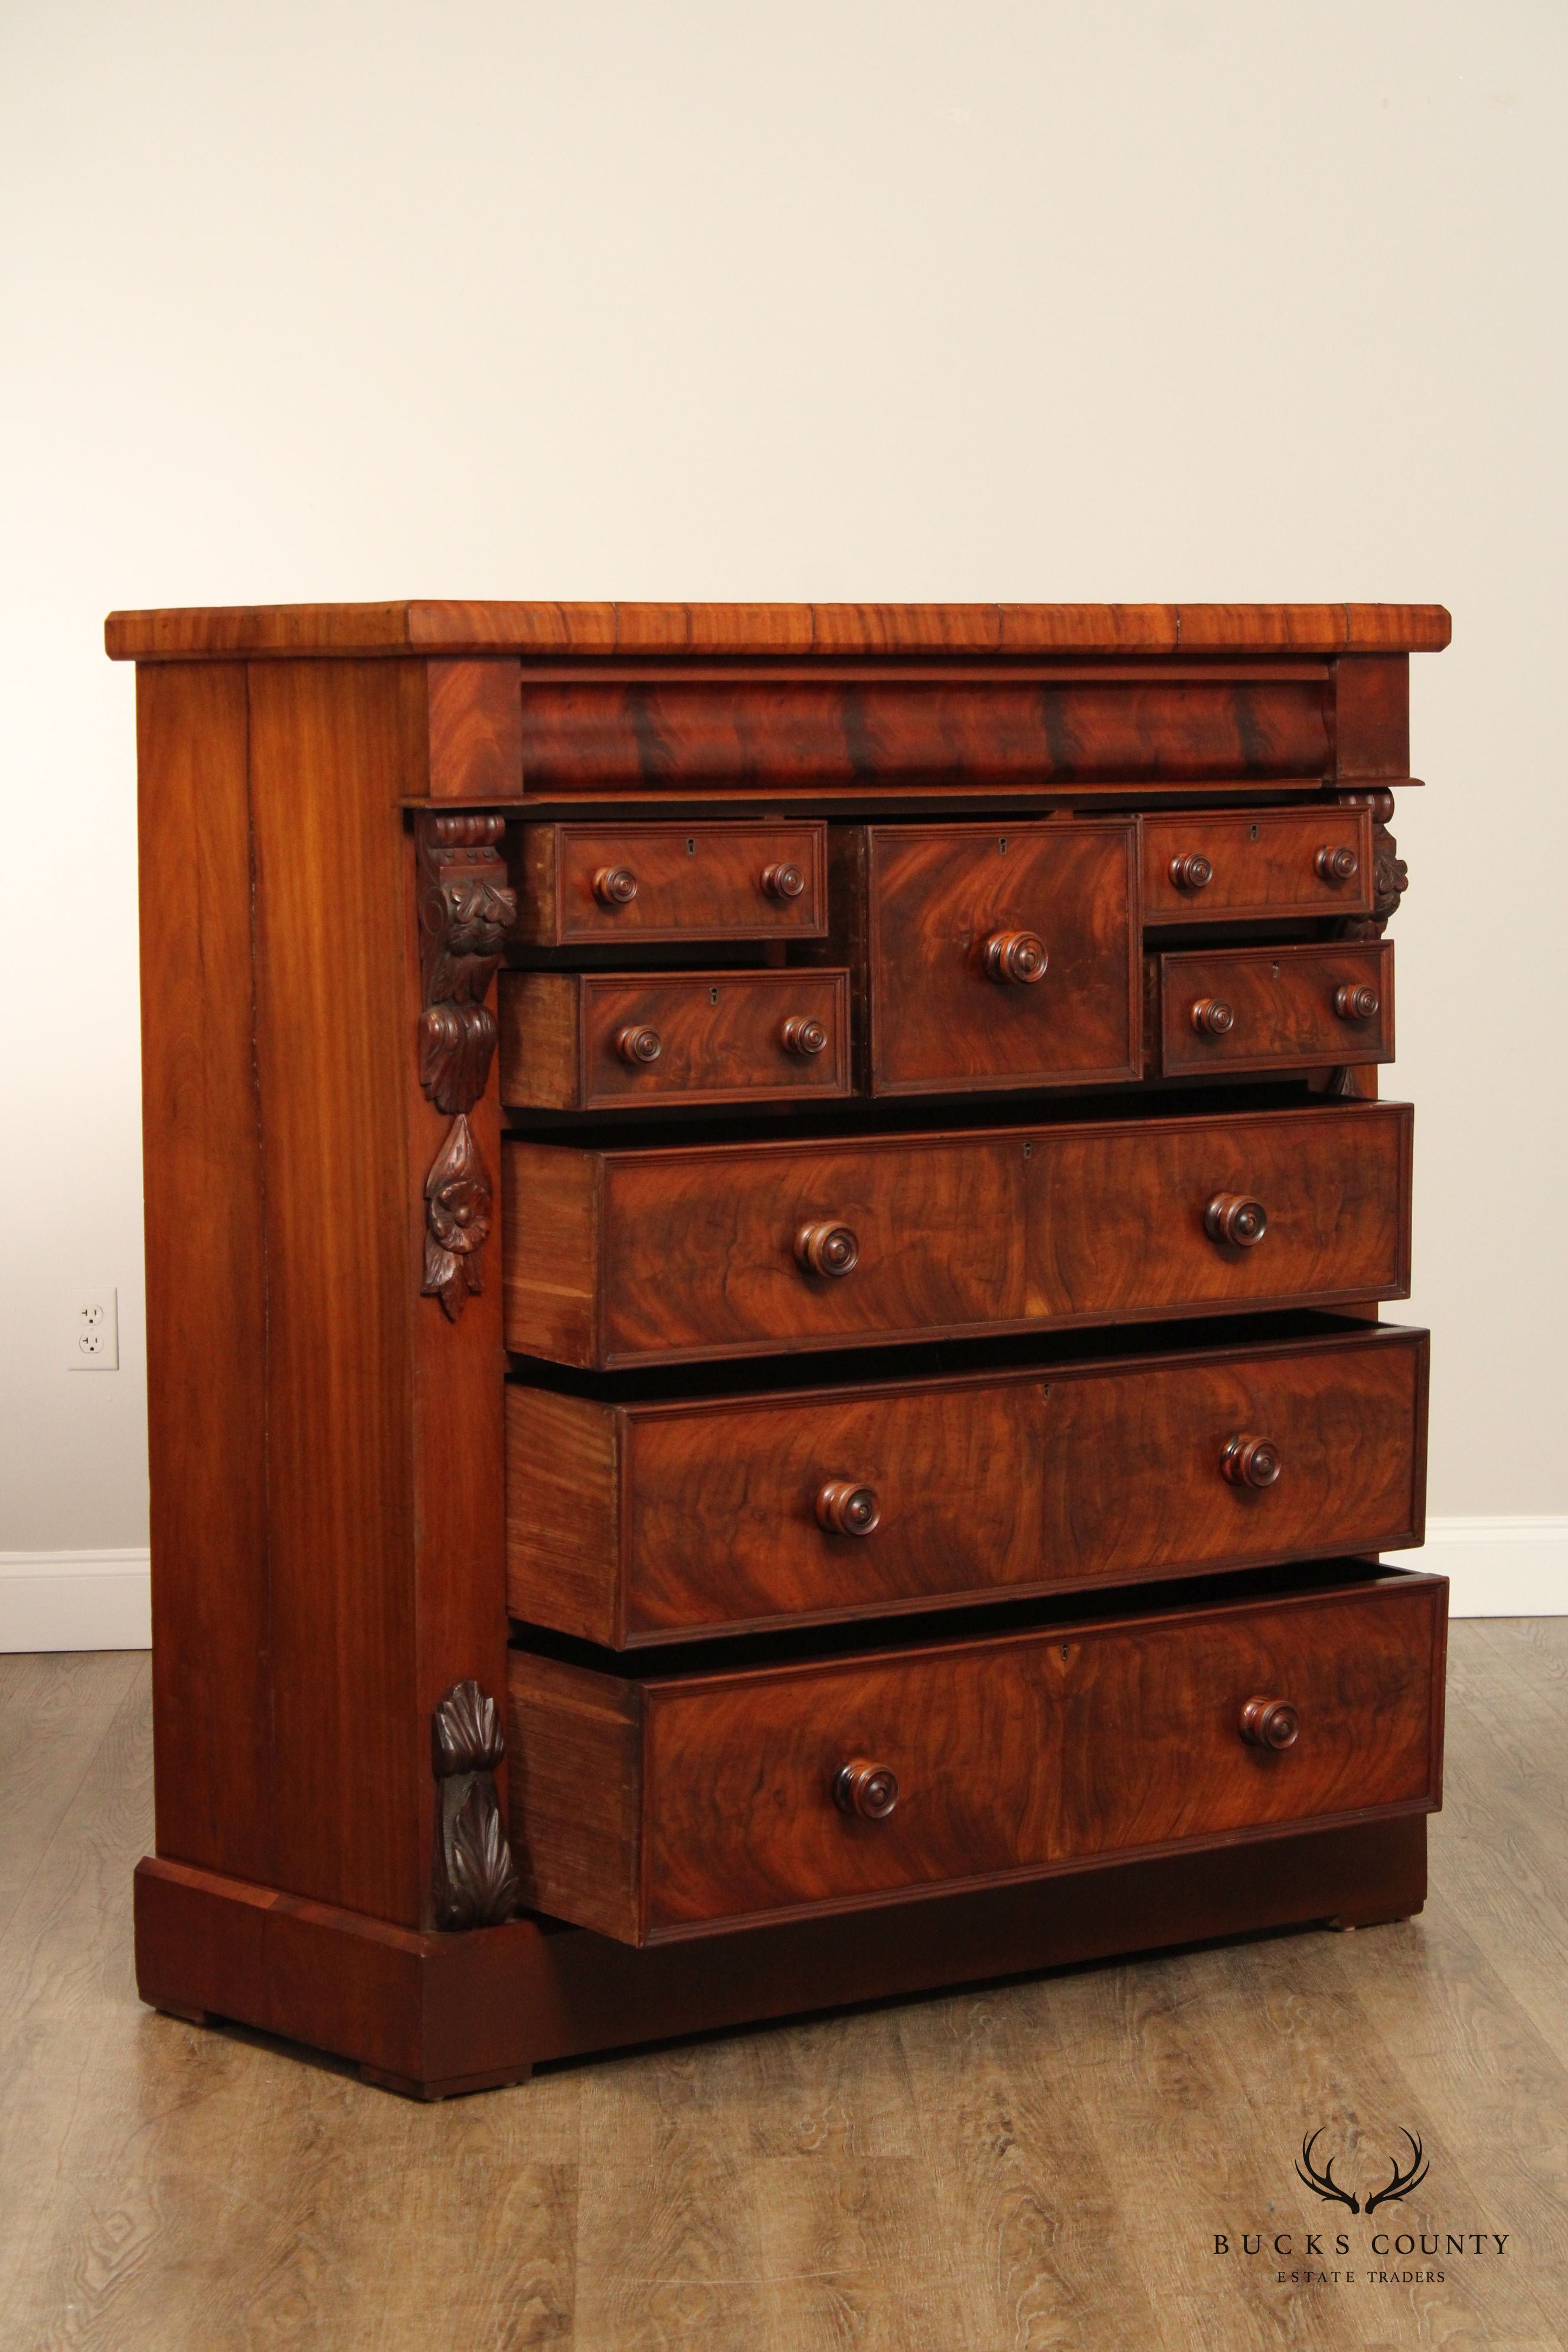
(693, 882)
(684, 1252)
(436, 2014)
(594, 737)
(474, 727)
(573, 1041)
(958, 920)
(1015, 1756)
(1372, 717)
(206, 1283)
(1288, 1007)
(631, 1524)
(1262, 863)
(579, 629)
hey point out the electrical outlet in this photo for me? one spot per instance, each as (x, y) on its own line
(95, 1332)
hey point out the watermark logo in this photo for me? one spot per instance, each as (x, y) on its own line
(1323, 2184)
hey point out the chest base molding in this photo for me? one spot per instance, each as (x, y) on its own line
(432, 2016)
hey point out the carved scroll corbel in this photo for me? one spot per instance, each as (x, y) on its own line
(465, 912)
(475, 1883)
(1390, 875)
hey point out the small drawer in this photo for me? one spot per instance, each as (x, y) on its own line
(601, 884)
(1233, 866)
(651, 1522)
(596, 1041)
(648, 1255)
(1000, 955)
(652, 1806)
(1273, 1008)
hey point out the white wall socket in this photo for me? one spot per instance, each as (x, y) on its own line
(95, 1332)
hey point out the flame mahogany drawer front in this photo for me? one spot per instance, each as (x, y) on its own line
(665, 1254)
(1273, 1008)
(602, 886)
(652, 1806)
(590, 1041)
(1000, 955)
(1248, 864)
(641, 1523)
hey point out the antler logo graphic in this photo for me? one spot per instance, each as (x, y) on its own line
(1402, 2183)
(1323, 2184)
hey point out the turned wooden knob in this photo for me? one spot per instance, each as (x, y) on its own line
(1356, 1003)
(1016, 956)
(1270, 1723)
(1338, 865)
(637, 1046)
(802, 1035)
(1251, 1462)
(1213, 1017)
(827, 1248)
(846, 1509)
(869, 1790)
(783, 881)
(1193, 872)
(615, 886)
(1231, 1217)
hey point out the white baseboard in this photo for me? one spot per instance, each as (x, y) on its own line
(1497, 1567)
(101, 1599)
(75, 1601)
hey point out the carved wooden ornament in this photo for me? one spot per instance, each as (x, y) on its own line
(475, 1883)
(1390, 875)
(465, 912)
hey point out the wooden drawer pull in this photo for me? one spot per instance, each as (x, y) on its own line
(1270, 1723)
(1337, 865)
(1194, 872)
(802, 1035)
(615, 886)
(783, 881)
(1231, 1217)
(1356, 1003)
(1251, 1462)
(826, 1249)
(1213, 1017)
(1017, 956)
(869, 1790)
(846, 1509)
(638, 1046)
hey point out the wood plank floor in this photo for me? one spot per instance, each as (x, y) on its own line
(1043, 2165)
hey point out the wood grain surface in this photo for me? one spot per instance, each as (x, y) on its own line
(689, 882)
(628, 1524)
(1043, 2163)
(1264, 864)
(710, 1037)
(543, 629)
(684, 1254)
(1283, 1005)
(941, 1017)
(1014, 1755)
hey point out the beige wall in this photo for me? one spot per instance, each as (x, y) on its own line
(923, 298)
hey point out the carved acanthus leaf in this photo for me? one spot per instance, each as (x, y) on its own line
(458, 1203)
(475, 1883)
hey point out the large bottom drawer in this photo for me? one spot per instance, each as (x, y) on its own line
(667, 1803)
(652, 1521)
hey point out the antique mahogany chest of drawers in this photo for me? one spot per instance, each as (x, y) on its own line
(764, 1232)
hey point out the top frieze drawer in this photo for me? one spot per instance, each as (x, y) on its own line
(1238, 865)
(595, 886)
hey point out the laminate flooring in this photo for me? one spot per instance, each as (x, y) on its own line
(1042, 2163)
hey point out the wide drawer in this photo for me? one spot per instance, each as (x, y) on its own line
(1273, 1008)
(598, 1041)
(634, 1523)
(1000, 956)
(671, 1254)
(1236, 866)
(651, 1807)
(599, 885)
